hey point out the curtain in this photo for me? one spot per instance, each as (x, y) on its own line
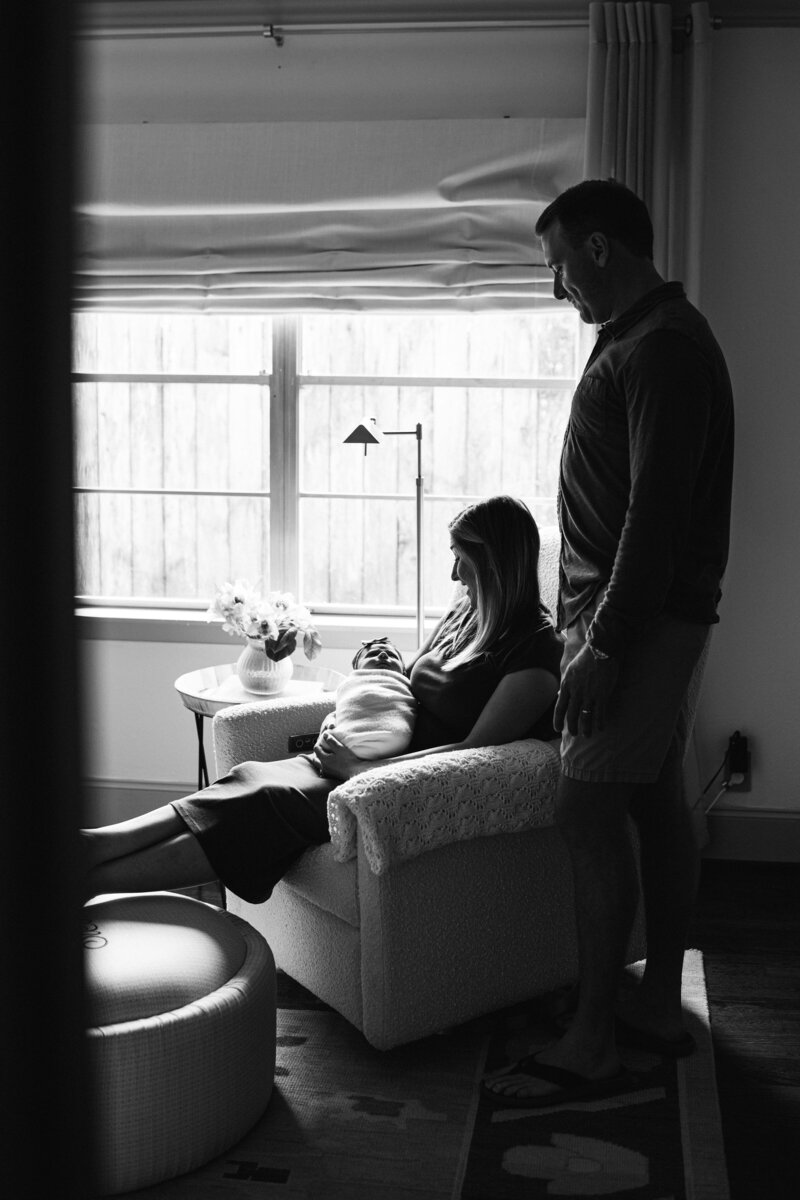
(418, 214)
(695, 88)
(645, 120)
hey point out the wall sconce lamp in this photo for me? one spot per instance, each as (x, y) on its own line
(370, 435)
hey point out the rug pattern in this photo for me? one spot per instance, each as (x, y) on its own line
(659, 1141)
(347, 1122)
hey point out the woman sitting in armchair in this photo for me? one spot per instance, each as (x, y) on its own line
(488, 674)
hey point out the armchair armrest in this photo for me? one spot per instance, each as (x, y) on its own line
(406, 809)
(260, 732)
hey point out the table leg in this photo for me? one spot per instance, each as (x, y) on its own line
(202, 781)
(202, 769)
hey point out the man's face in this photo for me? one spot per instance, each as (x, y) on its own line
(577, 275)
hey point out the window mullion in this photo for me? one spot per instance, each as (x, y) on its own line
(284, 472)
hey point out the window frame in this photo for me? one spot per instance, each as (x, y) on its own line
(183, 619)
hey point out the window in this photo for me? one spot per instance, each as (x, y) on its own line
(211, 447)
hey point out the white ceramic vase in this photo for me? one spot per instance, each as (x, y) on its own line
(258, 673)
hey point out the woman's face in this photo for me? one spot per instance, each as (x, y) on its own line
(464, 572)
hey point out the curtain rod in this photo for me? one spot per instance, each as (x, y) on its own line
(278, 32)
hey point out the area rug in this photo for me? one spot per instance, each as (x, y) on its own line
(662, 1140)
(347, 1122)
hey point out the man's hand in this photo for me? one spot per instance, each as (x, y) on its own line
(585, 691)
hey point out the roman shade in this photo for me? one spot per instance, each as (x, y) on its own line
(296, 216)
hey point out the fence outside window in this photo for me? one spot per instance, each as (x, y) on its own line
(211, 447)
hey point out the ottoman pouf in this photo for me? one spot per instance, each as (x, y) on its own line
(181, 1003)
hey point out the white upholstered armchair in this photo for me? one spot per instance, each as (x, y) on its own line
(445, 891)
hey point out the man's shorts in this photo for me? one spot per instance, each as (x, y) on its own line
(651, 709)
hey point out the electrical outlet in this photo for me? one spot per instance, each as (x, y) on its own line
(301, 743)
(737, 763)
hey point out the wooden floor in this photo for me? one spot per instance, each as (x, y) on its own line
(747, 924)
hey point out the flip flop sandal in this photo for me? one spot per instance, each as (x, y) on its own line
(572, 1087)
(638, 1039)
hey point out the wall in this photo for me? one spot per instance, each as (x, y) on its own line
(142, 741)
(337, 77)
(750, 273)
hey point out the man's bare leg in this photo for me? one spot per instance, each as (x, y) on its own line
(593, 821)
(670, 864)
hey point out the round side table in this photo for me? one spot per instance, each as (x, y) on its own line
(206, 691)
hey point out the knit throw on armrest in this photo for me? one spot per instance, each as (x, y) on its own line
(409, 808)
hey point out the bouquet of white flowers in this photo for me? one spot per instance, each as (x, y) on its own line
(275, 619)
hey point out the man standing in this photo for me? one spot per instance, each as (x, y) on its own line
(644, 510)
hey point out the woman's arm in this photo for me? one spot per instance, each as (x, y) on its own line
(517, 702)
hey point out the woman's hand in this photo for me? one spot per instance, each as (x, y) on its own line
(336, 761)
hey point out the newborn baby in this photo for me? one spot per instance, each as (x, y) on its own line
(375, 707)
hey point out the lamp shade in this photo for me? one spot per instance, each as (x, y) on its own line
(364, 436)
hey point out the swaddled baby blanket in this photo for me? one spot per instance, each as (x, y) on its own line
(375, 712)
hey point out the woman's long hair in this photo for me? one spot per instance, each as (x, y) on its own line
(498, 537)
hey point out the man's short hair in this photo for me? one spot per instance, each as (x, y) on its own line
(601, 206)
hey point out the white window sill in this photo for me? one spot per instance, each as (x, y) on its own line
(184, 625)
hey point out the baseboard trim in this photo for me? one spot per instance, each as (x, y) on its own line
(107, 801)
(754, 835)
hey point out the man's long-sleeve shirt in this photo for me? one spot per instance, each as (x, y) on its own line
(646, 471)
